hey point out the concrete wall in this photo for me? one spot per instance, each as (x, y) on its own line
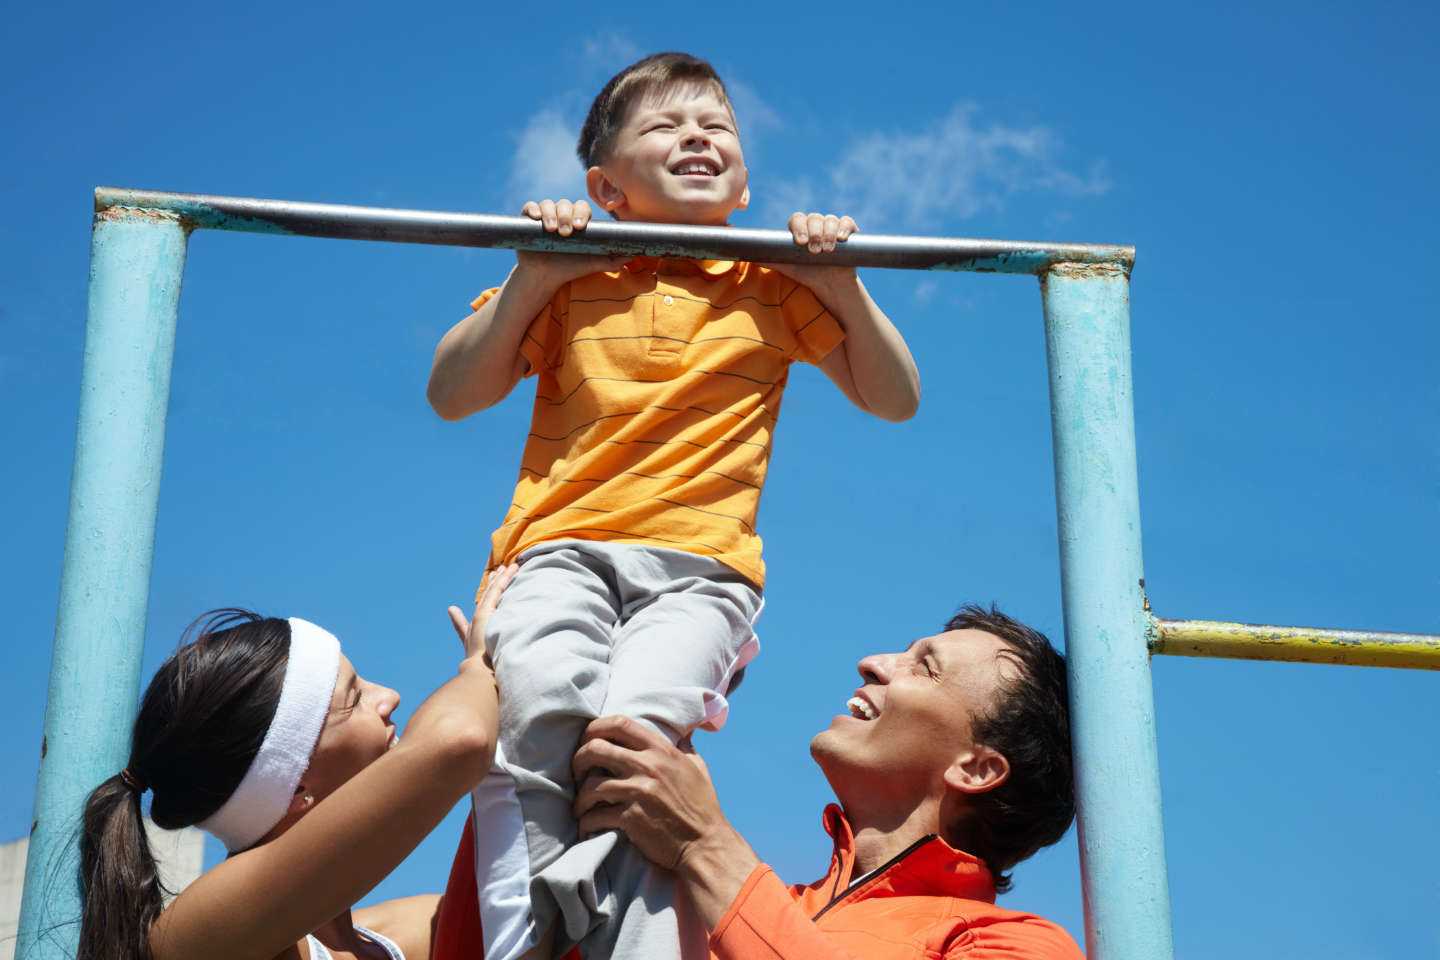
(181, 854)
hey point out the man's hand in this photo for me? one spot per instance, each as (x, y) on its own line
(636, 782)
(663, 800)
(565, 218)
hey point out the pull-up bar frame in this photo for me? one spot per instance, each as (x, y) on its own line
(137, 259)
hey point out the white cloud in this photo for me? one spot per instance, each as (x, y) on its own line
(950, 170)
(609, 52)
(544, 164)
(753, 113)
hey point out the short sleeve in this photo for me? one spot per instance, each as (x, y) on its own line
(816, 330)
(545, 337)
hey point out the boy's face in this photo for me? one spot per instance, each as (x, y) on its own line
(676, 159)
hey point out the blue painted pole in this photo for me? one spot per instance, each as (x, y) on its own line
(136, 260)
(1117, 775)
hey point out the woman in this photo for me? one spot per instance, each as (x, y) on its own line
(261, 732)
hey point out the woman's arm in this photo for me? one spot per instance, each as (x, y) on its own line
(264, 900)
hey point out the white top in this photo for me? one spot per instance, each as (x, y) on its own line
(318, 951)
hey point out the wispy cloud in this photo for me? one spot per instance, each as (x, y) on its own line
(952, 169)
(544, 164)
(754, 114)
(609, 52)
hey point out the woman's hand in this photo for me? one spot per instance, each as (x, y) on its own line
(472, 631)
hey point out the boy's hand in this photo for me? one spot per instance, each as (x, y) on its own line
(564, 218)
(559, 216)
(819, 233)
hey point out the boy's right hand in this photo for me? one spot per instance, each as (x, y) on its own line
(565, 218)
(559, 216)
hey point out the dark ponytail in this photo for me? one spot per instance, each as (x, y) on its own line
(115, 856)
(201, 722)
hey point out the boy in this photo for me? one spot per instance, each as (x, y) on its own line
(634, 513)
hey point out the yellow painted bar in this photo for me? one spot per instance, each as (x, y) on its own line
(1246, 641)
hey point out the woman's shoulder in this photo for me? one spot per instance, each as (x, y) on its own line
(408, 921)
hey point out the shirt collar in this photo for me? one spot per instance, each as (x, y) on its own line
(933, 868)
(676, 265)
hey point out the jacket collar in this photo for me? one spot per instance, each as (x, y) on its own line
(930, 868)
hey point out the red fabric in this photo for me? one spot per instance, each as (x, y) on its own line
(457, 925)
(938, 903)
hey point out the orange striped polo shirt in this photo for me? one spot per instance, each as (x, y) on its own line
(658, 389)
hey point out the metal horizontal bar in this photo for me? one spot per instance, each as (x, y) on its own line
(198, 211)
(1245, 641)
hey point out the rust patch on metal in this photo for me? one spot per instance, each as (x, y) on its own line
(1088, 271)
(130, 214)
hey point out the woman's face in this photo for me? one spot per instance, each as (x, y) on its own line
(357, 731)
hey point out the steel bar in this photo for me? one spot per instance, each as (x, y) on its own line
(1112, 713)
(1247, 641)
(136, 262)
(605, 237)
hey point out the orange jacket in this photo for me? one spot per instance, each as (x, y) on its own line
(931, 902)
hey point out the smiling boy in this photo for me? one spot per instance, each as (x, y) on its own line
(633, 519)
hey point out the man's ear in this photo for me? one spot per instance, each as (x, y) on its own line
(604, 191)
(977, 770)
(744, 199)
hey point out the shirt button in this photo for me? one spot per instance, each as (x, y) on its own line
(669, 300)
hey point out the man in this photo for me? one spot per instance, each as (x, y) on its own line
(951, 767)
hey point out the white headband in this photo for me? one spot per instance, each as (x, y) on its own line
(265, 793)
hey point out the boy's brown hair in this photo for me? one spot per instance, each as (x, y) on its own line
(633, 84)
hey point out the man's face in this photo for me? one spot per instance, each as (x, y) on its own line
(911, 719)
(677, 159)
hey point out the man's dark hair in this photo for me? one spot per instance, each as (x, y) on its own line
(1029, 724)
(643, 78)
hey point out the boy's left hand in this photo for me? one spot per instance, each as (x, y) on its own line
(819, 233)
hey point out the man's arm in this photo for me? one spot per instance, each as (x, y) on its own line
(634, 780)
(663, 800)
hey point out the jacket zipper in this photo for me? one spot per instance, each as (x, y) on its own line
(856, 884)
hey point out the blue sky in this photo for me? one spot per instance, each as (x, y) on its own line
(1273, 165)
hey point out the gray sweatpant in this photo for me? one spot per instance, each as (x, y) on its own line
(588, 629)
